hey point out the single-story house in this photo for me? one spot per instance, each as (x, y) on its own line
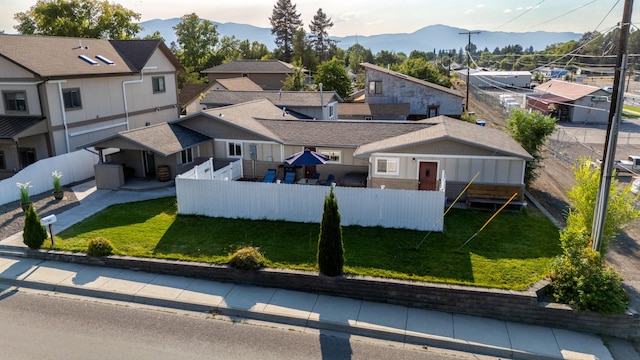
(425, 99)
(572, 102)
(303, 104)
(268, 74)
(411, 155)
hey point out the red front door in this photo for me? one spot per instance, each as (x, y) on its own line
(428, 175)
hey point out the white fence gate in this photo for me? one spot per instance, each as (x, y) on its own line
(409, 209)
(204, 171)
(75, 167)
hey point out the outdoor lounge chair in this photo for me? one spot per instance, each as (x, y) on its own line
(330, 179)
(289, 177)
(269, 176)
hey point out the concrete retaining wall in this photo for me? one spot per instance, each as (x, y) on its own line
(516, 306)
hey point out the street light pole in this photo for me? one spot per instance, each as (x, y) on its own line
(469, 33)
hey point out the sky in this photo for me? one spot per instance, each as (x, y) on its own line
(357, 17)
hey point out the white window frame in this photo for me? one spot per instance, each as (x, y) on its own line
(394, 169)
(235, 145)
(332, 154)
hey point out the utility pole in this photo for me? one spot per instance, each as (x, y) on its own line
(611, 142)
(469, 33)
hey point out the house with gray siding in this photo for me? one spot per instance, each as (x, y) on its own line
(410, 155)
(571, 102)
(61, 93)
(425, 99)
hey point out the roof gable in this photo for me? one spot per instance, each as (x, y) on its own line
(372, 67)
(164, 139)
(457, 130)
(242, 83)
(568, 90)
(191, 92)
(279, 98)
(57, 56)
(252, 66)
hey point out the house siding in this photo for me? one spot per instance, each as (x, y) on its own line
(585, 114)
(419, 97)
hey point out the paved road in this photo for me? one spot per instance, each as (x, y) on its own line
(38, 325)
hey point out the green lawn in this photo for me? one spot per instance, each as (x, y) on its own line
(512, 252)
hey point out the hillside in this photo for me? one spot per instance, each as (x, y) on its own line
(438, 37)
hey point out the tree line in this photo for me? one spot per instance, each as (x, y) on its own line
(313, 53)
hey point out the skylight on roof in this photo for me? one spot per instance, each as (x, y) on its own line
(104, 60)
(88, 59)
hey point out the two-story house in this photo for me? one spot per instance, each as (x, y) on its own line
(425, 99)
(60, 93)
(268, 74)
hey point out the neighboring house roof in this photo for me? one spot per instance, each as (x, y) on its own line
(443, 128)
(164, 139)
(412, 79)
(191, 92)
(252, 66)
(379, 111)
(57, 56)
(279, 98)
(568, 90)
(242, 83)
(11, 126)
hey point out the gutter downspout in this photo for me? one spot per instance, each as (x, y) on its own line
(124, 91)
(321, 103)
(64, 114)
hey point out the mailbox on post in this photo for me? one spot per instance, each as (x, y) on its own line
(49, 220)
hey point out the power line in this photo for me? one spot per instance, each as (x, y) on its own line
(563, 15)
(469, 33)
(515, 18)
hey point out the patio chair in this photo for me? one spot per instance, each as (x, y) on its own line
(269, 176)
(330, 179)
(316, 176)
(289, 177)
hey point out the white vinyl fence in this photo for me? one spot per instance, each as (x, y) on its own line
(204, 171)
(409, 209)
(75, 167)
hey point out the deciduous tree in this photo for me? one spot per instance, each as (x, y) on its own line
(333, 76)
(530, 130)
(197, 40)
(285, 22)
(78, 18)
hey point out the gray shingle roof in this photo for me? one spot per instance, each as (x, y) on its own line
(239, 84)
(164, 139)
(279, 98)
(253, 67)
(443, 128)
(190, 92)
(376, 110)
(58, 56)
(412, 79)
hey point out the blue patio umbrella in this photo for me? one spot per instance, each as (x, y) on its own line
(306, 158)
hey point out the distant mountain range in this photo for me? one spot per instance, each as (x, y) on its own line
(438, 37)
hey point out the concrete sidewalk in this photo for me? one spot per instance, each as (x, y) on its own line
(390, 322)
(385, 321)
